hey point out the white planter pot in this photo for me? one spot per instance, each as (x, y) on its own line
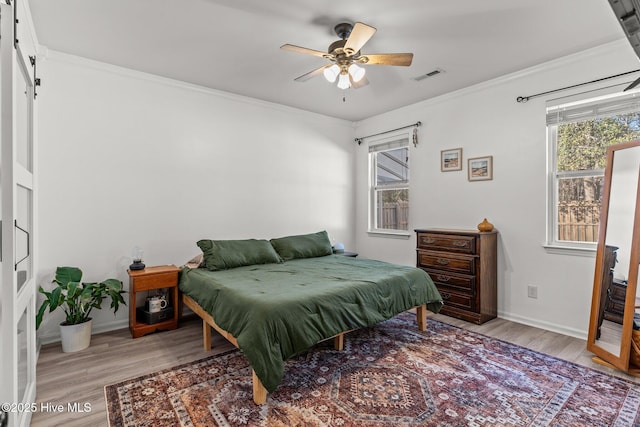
(75, 337)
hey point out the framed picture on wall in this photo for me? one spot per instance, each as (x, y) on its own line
(480, 168)
(451, 160)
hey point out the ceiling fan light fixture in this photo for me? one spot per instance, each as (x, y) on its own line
(343, 81)
(331, 73)
(357, 73)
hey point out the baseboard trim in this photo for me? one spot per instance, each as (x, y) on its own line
(572, 332)
(54, 337)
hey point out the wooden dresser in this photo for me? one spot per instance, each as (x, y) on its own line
(463, 265)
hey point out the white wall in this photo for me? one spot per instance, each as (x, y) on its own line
(128, 159)
(486, 120)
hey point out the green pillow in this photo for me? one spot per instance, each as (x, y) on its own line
(225, 254)
(303, 246)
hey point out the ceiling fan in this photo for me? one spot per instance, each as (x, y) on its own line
(345, 56)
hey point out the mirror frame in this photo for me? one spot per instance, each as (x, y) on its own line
(604, 357)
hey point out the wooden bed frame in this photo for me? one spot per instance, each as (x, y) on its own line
(259, 391)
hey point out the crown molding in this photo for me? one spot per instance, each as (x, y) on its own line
(66, 58)
(535, 69)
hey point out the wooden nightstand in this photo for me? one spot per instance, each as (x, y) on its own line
(349, 254)
(152, 278)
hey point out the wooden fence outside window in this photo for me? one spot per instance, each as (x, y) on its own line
(578, 221)
(393, 216)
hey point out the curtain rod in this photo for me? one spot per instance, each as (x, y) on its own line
(359, 140)
(523, 99)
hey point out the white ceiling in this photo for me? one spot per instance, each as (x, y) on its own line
(233, 45)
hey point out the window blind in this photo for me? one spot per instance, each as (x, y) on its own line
(592, 110)
(389, 145)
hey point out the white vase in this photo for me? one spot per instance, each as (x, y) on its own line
(75, 337)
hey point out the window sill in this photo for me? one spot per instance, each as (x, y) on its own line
(570, 250)
(389, 234)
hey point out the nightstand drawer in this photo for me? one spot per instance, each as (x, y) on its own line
(447, 261)
(155, 281)
(444, 278)
(447, 242)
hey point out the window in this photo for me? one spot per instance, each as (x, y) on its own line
(579, 134)
(389, 185)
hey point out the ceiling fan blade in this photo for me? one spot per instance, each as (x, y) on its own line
(306, 51)
(362, 82)
(360, 34)
(403, 59)
(310, 74)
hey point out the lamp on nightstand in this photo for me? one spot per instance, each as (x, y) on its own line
(136, 254)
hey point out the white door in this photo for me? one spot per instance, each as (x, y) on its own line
(17, 284)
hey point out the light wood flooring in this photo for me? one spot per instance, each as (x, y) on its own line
(64, 378)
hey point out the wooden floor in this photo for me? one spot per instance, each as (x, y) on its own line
(64, 378)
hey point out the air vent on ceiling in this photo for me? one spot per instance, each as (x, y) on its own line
(433, 73)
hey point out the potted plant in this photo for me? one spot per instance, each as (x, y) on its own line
(77, 299)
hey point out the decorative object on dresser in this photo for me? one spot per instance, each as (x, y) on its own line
(463, 266)
(485, 226)
(147, 318)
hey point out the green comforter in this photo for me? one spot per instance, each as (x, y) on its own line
(278, 310)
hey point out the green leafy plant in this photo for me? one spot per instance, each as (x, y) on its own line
(77, 299)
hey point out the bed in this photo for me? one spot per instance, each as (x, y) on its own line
(273, 310)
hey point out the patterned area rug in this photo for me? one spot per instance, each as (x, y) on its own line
(388, 375)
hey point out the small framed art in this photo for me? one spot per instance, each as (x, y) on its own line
(480, 168)
(451, 160)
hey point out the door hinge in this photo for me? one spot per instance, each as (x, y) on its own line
(28, 244)
(36, 80)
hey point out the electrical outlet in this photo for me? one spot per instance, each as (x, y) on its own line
(532, 291)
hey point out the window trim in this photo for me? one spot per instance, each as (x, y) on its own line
(402, 135)
(595, 97)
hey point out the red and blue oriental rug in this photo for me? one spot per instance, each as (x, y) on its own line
(388, 375)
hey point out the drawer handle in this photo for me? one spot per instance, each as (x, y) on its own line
(429, 240)
(461, 244)
(442, 261)
(443, 278)
(445, 295)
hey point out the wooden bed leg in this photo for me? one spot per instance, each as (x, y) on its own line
(338, 342)
(422, 317)
(206, 335)
(259, 392)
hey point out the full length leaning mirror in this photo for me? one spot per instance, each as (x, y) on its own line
(615, 301)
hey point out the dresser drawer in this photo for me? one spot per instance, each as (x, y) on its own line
(447, 261)
(617, 291)
(447, 242)
(455, 299)
(444, 278)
